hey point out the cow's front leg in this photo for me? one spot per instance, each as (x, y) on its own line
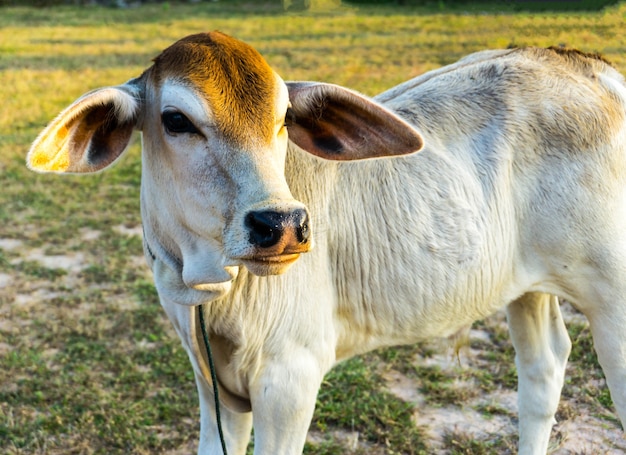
(283, 401)
(542, 346)
(236, 426)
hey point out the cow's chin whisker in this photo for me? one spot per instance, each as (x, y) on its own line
(270, 265)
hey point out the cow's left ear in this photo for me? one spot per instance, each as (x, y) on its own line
(338, 124)
(90, 134)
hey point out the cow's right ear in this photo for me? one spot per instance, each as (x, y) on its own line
(336, 123)
(90, 134)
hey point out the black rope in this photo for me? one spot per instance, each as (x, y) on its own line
(214, 380)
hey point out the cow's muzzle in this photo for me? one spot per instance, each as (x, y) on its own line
(278, 238)
(269, 228)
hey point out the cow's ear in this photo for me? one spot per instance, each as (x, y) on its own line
(338, 124)
(91, 133)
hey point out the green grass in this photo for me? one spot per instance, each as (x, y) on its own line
(88, 361)
(379, 416)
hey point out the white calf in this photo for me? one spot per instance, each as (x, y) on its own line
(519, 194)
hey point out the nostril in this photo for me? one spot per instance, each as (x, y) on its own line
(301, 222)
(303, 233)
(265, 228)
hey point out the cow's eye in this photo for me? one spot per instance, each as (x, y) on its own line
(176, 122)
(290, 117)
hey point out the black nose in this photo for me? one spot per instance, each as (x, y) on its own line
(267, 227)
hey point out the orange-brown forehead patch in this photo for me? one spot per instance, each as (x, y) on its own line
(238, 83)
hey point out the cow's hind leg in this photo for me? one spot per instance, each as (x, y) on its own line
(542, 346)
(236, 426)
(608, 327)
(601, 297)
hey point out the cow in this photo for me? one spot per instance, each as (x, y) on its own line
(276, 212)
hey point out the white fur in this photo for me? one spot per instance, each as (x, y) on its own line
(519, 193)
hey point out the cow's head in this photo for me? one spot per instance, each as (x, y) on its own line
(216, 120)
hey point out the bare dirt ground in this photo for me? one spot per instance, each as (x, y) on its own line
(580, 430)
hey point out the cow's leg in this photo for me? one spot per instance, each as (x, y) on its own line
(236, 426)
(608, 327)
(601, 297)
(283, 399)
(542, 346)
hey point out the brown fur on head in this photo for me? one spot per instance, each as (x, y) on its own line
(234, 78)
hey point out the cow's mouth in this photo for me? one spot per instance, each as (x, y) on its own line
(270, 265)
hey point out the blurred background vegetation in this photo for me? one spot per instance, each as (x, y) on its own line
(517, 5)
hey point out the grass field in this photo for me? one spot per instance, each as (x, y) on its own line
(88, 362)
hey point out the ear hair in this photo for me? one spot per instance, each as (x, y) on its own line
(339, 124)
(90, 134)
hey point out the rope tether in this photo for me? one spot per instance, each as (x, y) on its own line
(213, 379)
